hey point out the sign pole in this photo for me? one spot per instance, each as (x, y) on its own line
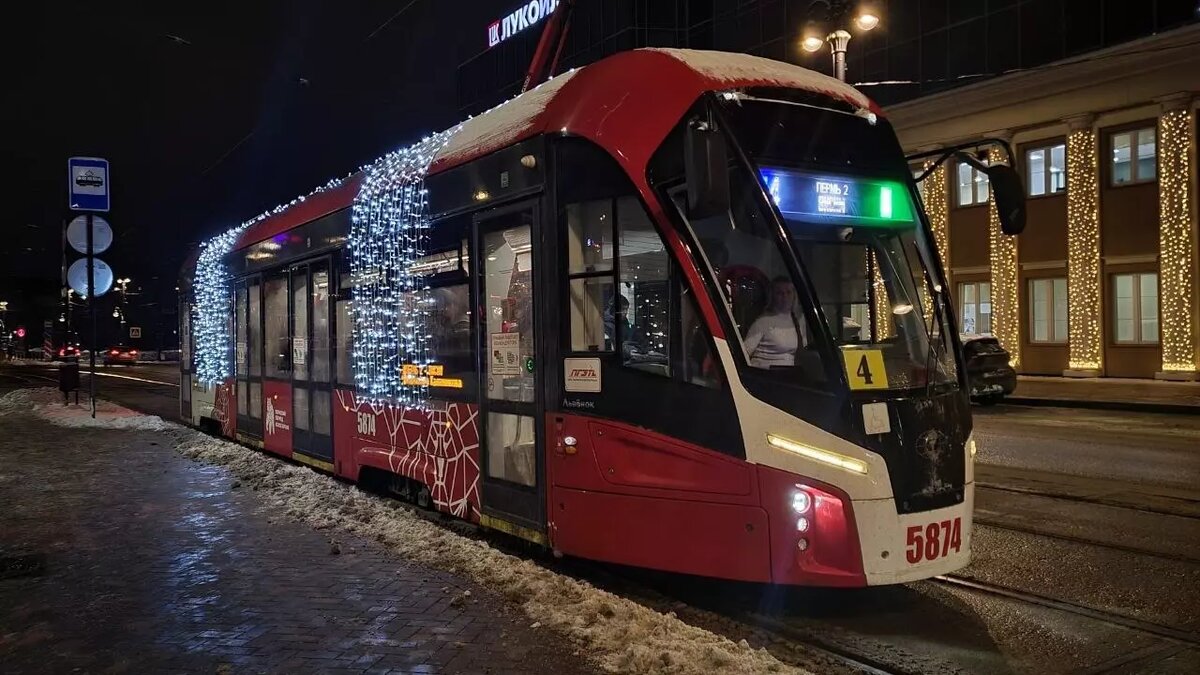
(91, 286)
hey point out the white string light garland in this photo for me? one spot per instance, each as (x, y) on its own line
(391, 305)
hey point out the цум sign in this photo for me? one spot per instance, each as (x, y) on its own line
(527, 15)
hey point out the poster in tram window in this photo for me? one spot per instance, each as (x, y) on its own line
(241, 353)
(505, 350)
(299, 351)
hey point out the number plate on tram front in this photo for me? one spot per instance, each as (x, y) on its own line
(933, 541)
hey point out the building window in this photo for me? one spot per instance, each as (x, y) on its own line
(1048, 310)
(972, 185)
(1047, 170)
(1134, 156)
(1136, 308)
(975, 303)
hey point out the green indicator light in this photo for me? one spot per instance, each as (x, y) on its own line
(885, 201)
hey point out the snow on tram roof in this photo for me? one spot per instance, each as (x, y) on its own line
(734, 69)
(526, 115)
(501, 126)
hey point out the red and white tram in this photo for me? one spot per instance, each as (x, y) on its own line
(684, 312)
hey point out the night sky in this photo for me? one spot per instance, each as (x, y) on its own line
(209, 114)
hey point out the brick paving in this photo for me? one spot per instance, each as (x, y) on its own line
(119, 556)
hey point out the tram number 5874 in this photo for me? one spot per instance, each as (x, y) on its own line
(933, 541)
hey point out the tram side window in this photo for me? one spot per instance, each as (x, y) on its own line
(450, 337)
(345, 330)
(240, 349)
(624, 294)
(278, 344)
(255, 349)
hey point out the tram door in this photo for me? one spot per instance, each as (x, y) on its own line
(512, 488)
(311, 356)
(248, 357)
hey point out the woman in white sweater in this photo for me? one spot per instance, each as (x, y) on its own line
(776, 335)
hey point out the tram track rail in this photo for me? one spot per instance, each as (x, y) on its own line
(1098, 501)
(1174, 634)
(1040, 532)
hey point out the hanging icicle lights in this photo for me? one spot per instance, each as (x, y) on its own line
(212, 316)
(391, 305)
(211, 325)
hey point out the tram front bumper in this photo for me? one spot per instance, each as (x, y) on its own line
(899, 548)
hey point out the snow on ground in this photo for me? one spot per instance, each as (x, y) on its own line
(620, 635)
(48, 405)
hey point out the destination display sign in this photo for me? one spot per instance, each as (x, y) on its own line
(842, 199)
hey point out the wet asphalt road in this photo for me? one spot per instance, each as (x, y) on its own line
(1096, 509)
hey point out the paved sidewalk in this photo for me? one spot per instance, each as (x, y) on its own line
(1107, 392)
(117, 555)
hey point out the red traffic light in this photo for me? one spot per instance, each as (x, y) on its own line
(20, 331)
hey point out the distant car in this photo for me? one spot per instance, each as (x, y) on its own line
(989, 374)
(119, 354)
(67, 353)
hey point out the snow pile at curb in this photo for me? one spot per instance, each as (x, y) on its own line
(48, 405)
(627, 637)
(620, 635)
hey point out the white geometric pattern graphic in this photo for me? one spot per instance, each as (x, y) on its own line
(438, 447)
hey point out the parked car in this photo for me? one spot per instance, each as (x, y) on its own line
(120, 354)
(989, 374)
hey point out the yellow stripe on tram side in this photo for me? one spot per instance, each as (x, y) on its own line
(493, 523)
(250, 440)
(312, 461)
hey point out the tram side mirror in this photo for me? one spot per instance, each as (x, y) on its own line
(707, 167)
(1010, 197)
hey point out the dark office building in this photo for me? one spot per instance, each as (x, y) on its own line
(927, 45)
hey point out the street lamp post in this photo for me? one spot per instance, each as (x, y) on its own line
(839, 40)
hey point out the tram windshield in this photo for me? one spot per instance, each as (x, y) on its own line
(848, 212)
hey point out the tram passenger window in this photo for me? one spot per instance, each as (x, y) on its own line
(320, 324)
(278, 344)
(320, 412)
(345, 331)
(254, 348)
(256, 402)
(511, 447)
(589, 298)
(240, 345)
(300, 406)
(450, 336)
(643, 308)
(589, 236)
(300, 326)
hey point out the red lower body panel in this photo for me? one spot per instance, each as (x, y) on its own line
(277, 417)
(714, 540)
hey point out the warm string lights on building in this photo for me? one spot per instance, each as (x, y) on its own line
(937, 208)
(392, 305)
(1176, 241)
(882, 307)
(1005, 297)
(1086, 355)
(212, 316)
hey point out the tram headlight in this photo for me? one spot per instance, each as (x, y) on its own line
(801, 501)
